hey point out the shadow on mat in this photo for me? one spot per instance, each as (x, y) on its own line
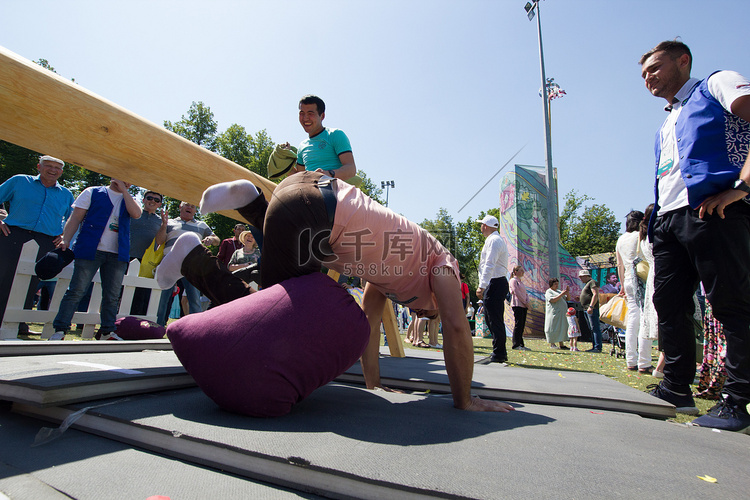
(372, 416)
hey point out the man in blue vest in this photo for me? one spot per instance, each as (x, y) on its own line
(103, 214)
(38, 208)
(700, 226)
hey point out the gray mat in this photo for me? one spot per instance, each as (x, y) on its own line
(524, 385)
(346, 441)
(83, 466)
(36, 348)
(52, 380)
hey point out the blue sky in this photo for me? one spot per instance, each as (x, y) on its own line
(436, 95)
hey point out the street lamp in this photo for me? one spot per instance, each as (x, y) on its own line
(387, 185)
(532, 8)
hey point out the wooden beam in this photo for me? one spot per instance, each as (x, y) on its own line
(42, 111)
(395, 344)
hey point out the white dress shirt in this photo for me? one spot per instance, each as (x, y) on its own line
(493, 262)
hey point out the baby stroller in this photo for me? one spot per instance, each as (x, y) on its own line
(617, 338)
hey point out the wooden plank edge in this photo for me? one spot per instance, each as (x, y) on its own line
(81, 393)
(288, 472)
(36, 348)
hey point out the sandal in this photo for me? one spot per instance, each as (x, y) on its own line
(421, 344)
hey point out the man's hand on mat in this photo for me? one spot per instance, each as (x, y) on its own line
(478, 404)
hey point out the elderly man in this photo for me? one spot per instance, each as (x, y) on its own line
(493, 285)
(185, 223)
(699, 225)
(38, 209)
(590, 302)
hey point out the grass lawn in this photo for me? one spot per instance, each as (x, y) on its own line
(542, 357)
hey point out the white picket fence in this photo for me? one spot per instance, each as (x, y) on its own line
(15, 313)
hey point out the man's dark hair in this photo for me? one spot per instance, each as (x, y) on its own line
(552, 281)
(313, 99)
(674, 48)
(161, 197)
(633, 220)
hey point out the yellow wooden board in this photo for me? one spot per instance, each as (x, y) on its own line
(44, 112)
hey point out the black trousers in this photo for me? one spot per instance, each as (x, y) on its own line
(519, 313)
(715, 251)
(494, 314)
(295, 230)
(10, 251)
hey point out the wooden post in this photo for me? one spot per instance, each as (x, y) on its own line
(395, 344)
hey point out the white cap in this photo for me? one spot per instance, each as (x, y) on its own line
(52, 159)
(490, 220)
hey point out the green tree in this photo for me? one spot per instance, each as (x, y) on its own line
(589, 231)
(443, 229)
(261, 147)
(234, 145)
(198, 126)
(369, 188)
(16, 160)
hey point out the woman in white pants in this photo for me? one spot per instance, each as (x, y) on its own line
(637, 350)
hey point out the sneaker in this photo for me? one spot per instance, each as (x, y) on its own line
(683, 402)
(593, 350)
(109, 336)
(726, 416)
(521, 348)
(58, 336)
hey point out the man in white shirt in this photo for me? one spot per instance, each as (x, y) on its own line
(103, 215)
(493, 285)
(700, 225)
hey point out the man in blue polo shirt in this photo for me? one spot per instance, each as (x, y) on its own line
(38, 209)
(326, 149)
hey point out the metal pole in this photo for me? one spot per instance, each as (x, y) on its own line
(553, 237)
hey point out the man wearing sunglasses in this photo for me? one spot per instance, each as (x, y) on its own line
(151, 226)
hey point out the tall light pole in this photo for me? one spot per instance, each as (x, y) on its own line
(386, 185)
(532, 8)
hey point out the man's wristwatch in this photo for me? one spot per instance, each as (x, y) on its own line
(741, 185)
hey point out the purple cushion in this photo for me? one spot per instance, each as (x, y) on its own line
(261, 354)
(132, 328)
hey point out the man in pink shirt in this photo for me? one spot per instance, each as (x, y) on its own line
(313, 220)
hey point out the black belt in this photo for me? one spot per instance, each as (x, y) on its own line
(329, 198)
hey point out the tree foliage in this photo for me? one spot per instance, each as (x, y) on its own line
(369, 188)
(198, 126)
(234, 145)
(589, 231)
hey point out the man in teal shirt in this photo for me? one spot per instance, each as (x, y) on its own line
(326, 149)
(38, 209)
